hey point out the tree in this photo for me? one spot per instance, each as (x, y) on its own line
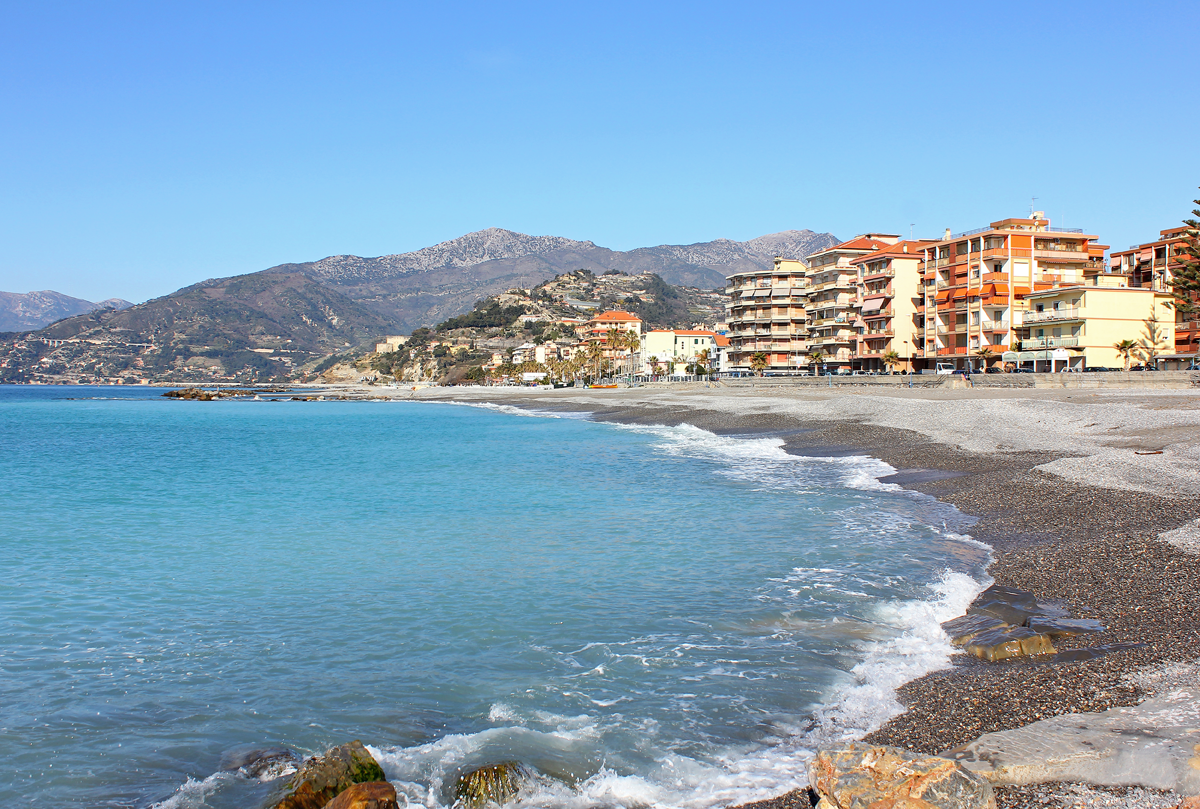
(891, 358)
(818, 357)
(984, 353)
(1153, 338)
(1125, 349)
(758, 362)
(702, 362)
(1185, 280)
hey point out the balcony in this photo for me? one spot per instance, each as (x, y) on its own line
(1060, 255)
(1050, 342)
(1051, 314)
(878, 334)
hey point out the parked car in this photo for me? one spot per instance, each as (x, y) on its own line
(944, 368)
(993, 369)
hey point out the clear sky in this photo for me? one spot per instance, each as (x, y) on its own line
(147, 146)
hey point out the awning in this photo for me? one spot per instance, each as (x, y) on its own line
(1000, 290)
(944, 295)
(781, 292)
(762, 293)
(1010, 356)
(873, 304)
(749, 293)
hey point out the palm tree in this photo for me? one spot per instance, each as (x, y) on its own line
(818, 357)
(702, 360)
(758, 362)
(1125, 349)
(632, 341)
(984, 353)
(595, 356)
(891, 359)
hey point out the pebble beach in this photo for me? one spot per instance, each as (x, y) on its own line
(1089, 499)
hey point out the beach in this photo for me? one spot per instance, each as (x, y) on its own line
(1088, 498)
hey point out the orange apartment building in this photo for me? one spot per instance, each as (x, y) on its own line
(890, 291)
(975, 284)
(766, 313)
(1152, 266)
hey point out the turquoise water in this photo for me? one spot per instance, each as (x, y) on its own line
(646, 615)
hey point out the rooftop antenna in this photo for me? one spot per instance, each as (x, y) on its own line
(1032, 203)
(910, 227)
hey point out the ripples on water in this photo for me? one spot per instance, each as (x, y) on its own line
(646, 615)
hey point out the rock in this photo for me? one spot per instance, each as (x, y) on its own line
(1063, 627)
(1006, 642)
(1155, 744)
(259, 762)
(864, 776)
(371, 795)
(323, 778)
(498, 783)
(192, 393)
(966, 627)
(1011, 605)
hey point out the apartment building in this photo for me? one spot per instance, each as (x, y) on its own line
(1152, 266)
(890, 291)
(667, 351)
(766, 314)
(1076, 327)
(976, 281)
(834, 301)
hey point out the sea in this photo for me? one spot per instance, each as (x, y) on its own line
(640, 616)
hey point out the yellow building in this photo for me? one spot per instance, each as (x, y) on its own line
(766, 313)
(1077, 326)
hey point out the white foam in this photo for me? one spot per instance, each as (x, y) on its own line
(868, 700)
(194, 793)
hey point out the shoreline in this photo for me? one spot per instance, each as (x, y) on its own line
(1093, 548)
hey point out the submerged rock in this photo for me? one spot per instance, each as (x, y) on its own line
(1011, 641)
(863, 775)
(257, 761)
(371, 795)
(1064, 627)
(193, 394)
(323, 778)
(498, 783)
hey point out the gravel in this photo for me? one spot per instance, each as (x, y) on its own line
(1074, 515)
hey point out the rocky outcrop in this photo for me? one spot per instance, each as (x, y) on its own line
(371, 795)
(323, 778)
(498, 783)
(1155, 744)
(861, 776)
(1006, 622)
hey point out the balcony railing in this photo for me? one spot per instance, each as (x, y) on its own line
(1051, 314)
(1050, 342)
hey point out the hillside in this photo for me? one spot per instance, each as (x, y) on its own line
(251, 327)
(33, 310)
(427, 286)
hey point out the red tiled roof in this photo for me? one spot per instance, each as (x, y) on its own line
(615, 316)
(915, 246)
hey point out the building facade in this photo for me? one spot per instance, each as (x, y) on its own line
(975, 282)
(1077, 327)
(766, 314)
(890, 290)
(1152, 266)
(834, 301)
(667, 351)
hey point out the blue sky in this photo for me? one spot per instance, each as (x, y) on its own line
(146, 146)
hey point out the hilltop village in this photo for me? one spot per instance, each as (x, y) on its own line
(1018, 295)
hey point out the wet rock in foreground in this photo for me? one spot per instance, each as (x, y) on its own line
(1007, 622)
(257, 761)
(371, 795)
(323, 778)
(864, 775)
(498, 783)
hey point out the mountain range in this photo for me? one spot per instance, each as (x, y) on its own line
(33, 310)
(429, 285)
(269, 323)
